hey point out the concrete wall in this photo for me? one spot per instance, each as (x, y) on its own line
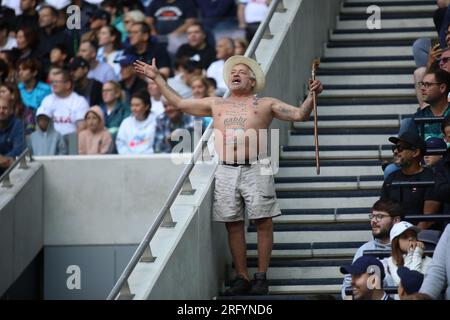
(104, 200)
(21, 223)
(299, 35)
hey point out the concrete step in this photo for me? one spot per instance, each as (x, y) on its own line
(350, 65)
(328, 183)
(336, 215)
(343, 93)
(380, 36)
(316, 236)
(373, 79)
(356, 51)
(380, 152)
(356, 123)
(389, 109)
(426, 22)
(327, 203)
(403, 9)
(297, 168)
(298, 272)
(330, 138)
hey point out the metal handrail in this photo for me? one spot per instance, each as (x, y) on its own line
(20, 160)
(145, 243)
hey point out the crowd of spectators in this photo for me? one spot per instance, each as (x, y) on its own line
(57, 81)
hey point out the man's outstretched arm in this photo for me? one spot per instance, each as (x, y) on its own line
(195, 107)
(284, 111)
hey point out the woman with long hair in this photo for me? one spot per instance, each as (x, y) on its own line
(10, 92)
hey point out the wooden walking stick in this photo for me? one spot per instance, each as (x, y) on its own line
(315, 65)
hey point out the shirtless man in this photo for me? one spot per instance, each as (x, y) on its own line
(241, 180)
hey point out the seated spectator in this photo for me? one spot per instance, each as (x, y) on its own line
(200, 89)
(434, 143)
(435, 88)
(6, 42)
(110, 48)
(437, 278)
(442, 171)
(143, 47)
(90, 89)
(185, 70)
(410, 282)
(99, 19)
(64, 106)
(219, 17)
(29, 17)
(385, 213)
(408, 152)
(224, 49)
(46, 141)
(7, 68)
(137, 132)
(12, 137)
(99, 71)
(171, 17)
(167, 125)
(95, 139)
(250, 14)
(406, 252)
(240, 46)
(114, 107)
(10, 92)
(367, 275)
(31, 89)
(130, 18)
(197, 48)
(131, 83)
(114, 8)
(58, 56)
(51, 35)
(155, 96)
(27, 42)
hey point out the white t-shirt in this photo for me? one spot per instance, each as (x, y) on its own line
(215, 71)
(10, 43)
(255, 10)
(157, 107)
(136, 137)
(66, 111)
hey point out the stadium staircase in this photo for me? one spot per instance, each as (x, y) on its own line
(368, 88)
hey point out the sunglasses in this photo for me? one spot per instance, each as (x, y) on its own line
(444, 59)
(401, 148)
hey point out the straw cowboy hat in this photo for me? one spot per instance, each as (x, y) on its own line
(252, 64)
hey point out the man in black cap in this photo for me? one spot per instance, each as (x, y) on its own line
(408, 150)
(410, 282)
(367, 278)
(91, 89)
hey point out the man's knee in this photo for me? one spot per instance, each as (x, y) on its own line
(236, 226)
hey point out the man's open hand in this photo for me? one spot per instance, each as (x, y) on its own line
(150, 71)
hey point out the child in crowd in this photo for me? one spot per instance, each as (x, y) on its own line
(406, 252)
(434, 143)
(95, 139)
(46, 141)
(137, 132)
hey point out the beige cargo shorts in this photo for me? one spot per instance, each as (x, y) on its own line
(249, 187)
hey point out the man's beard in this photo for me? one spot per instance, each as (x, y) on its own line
(383, 234)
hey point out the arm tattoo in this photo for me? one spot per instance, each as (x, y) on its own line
(305, 111)
(286, 111)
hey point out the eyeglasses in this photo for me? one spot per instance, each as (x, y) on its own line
(401, 148)
(58, 81)
(377, 217)
(444, 59)
(426, 84)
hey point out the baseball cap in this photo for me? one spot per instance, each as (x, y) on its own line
(411, 138)
(77, 62)
(411, 280)
(101, 14)
(125, 60)
(435, 143)
(362, 265)
(400, 227)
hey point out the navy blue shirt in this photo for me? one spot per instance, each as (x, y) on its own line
(12, 139)
(154, 50)
(169, 16)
